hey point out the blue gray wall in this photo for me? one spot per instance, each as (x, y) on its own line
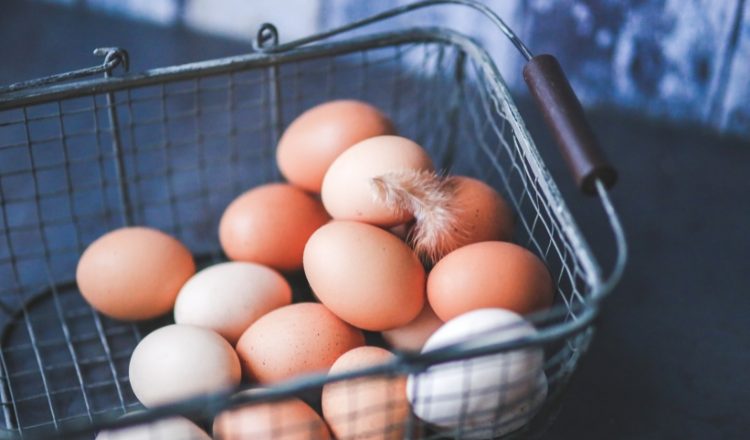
(681, 60)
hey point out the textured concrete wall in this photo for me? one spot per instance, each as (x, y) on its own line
(683, 60)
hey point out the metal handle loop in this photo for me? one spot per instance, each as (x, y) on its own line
(266, 38)
(113, 57)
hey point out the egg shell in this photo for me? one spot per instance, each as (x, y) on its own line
(228, 297)
(412, 336)
(347, 192)
(482, 212)
(318, 136)
(371, 408)
(176, 362)
(270, 225)
(290, 419)
(489, 395)
(489, 274)
(134, 273)
(296, 339)
(365, 275)
(170, 428)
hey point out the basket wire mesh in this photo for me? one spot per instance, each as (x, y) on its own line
(171, 148)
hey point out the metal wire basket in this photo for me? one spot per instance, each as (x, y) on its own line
(81, 155)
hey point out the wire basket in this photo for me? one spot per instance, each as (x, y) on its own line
(81, 155)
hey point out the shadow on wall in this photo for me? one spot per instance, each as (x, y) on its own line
(682, 60)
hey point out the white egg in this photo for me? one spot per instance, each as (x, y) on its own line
(484, 396)
(181, 361)
(177, 428)
(228, 297)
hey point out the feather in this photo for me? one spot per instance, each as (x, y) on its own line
(429, 197)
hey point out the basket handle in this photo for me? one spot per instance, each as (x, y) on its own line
(564, 115)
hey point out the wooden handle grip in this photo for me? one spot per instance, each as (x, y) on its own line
(564, 115)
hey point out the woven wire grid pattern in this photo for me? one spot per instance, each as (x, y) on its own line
(186, 149)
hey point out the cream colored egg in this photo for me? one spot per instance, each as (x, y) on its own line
(177, 428)
(181, 361)
(487, 396)
(347, 190)
(228, 297)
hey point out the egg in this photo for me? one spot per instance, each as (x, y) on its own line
(412, 336)
(289, 419)
(295, 339)
(270, 225)
(319, 135)
(481, 211)
(489, 274)
(366, 408)
(177, 361)
(347, 191)
(228, 297)
(365, 275)
(133, 273)
(170, 428)
(487, 396)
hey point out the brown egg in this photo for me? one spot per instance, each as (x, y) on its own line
(134, 273)
(296, 339)
(489, 274)
(483, 213)
(318, 136)
(347, 190)
(290, 419)
(270, 225)
(373, 407)
(412, 336)
(365, 275)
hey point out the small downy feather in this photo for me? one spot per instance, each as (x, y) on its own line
(429, 197)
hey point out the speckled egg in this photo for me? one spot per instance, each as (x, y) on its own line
(296, 339)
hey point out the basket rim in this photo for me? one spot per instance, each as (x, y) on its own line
(255, 59)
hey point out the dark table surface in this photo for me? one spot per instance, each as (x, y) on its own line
(672, 352)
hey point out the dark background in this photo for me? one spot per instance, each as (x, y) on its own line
(672, 351)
